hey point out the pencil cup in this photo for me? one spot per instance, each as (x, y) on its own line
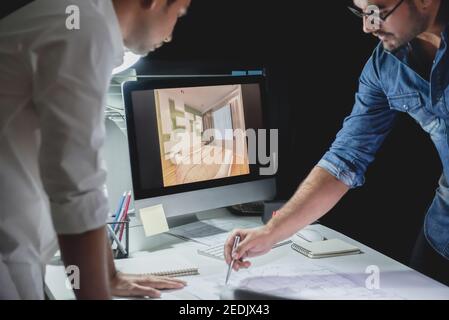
(120, 239)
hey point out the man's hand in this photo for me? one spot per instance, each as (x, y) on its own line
(131, 285)
(254, 242)
(314, 198)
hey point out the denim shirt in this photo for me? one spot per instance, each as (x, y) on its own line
(388, 86)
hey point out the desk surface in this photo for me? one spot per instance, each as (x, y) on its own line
(395, 278)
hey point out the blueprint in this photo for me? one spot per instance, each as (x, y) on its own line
(289, 281)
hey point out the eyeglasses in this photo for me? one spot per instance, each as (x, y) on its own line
(359, 13)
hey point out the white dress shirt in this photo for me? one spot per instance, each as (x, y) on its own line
(53, 83)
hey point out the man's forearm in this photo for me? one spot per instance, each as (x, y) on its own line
(319, 193)
(88, 252)
(110, 259)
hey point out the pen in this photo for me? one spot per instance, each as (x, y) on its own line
(122, 212)
(236, 243)
(123, 217)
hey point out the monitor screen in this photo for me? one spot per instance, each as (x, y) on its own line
(187, 134)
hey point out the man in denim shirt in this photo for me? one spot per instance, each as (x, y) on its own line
(408, 72)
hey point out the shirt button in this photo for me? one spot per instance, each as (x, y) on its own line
(405, 107)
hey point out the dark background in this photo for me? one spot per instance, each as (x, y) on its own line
(313, 55)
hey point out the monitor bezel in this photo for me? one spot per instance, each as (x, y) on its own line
(141, 193)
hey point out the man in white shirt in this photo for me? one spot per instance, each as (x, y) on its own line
(53, 82)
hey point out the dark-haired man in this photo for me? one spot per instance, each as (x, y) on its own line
(53, 81)
(408, 72)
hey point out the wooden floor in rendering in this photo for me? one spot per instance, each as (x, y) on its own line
(180, 174)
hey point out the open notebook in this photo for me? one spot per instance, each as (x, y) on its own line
(325, 248)
(165, 266)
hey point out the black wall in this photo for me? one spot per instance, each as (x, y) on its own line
(314, 55)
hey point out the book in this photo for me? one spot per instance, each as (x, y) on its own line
(325, 248)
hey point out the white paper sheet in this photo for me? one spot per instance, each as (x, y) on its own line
(291, 282)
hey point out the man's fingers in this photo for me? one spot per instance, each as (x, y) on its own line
(172, 279)
(175, 280)
(163, 283)
(241, 265)
(241, 250)
(138, 290)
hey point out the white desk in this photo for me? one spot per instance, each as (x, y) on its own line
(395, 278)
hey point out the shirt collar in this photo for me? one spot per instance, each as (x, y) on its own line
(445, 33)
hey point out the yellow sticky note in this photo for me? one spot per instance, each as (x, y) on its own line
(153, 220)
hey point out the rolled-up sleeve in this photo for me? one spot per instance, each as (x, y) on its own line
(72, 71)
(363, 131)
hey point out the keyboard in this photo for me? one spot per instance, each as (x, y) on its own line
(252, 208)
(217, 251)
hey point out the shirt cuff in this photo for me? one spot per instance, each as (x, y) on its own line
(80, 213)
(340, 170)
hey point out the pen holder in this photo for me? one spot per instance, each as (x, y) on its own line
(120, 228)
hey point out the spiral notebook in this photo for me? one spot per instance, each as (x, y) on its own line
(175, 273)
(148, 264)
(325, 248)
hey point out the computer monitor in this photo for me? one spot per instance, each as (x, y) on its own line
(186, 145)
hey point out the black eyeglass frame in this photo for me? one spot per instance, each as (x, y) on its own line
(362, 14)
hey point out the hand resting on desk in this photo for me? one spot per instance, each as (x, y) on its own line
(134, 285)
